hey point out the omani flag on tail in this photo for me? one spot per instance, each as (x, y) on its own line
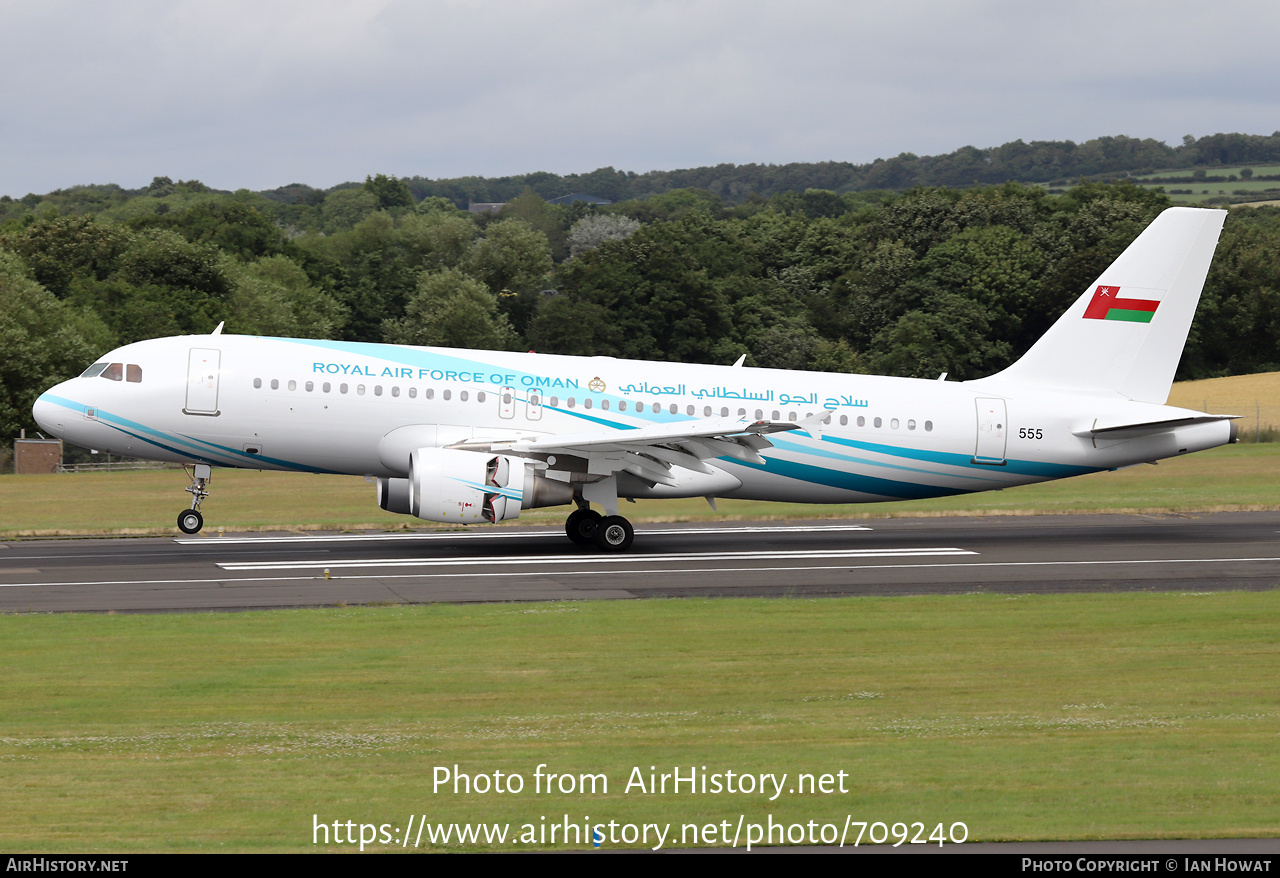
(1107, 304)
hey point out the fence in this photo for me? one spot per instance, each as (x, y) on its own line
(1259, 419)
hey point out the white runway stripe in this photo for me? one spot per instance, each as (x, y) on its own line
(589, 559)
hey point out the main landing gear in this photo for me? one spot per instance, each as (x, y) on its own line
(190, 520)
(612, 533)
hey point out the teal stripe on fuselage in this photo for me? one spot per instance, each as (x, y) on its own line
(816, 475)
(193, 448)
(783, 445)
(1019, 467)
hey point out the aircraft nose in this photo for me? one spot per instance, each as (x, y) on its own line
(48, 414)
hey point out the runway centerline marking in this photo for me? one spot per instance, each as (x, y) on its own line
(590, 559)
(509, 534)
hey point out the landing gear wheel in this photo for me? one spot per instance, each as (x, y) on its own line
(614, 534)
(581, 526)
(190, 521)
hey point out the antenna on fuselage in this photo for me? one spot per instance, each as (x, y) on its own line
(742, 359)
(218, 329)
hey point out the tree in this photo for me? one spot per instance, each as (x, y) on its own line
(60, 248)
(512, 259)
(389, 191)
(450, 309)
(44, 341)
(593, 230)
(274, 296)
(437, 239)
(346, 207)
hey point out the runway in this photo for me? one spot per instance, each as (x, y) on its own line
(910, 556)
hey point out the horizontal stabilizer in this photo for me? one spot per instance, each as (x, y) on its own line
(1101, 428)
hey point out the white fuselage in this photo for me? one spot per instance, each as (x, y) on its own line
(360, 409)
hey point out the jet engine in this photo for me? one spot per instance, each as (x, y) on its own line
(451, 485)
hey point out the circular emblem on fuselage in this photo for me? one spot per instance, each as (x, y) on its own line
(596, 385)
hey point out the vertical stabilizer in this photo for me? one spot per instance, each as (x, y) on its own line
(1125, 334)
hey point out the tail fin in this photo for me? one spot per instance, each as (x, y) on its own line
(1126, 333)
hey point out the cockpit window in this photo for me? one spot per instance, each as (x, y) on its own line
(133, 373)
(94, 371)
(114, 372)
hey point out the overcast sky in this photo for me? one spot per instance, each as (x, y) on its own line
(260, 94)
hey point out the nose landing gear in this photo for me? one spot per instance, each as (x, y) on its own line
(190, 520)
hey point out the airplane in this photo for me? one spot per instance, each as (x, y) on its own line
(463, 436)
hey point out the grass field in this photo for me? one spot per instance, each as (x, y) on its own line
(1203, 189)
(1259, 170)
(1039, 717)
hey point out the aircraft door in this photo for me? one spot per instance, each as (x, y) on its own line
(202, 381)
(993, 432)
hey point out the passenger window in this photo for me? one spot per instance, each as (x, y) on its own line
(377, 390)
(759, 414)
(862, 422)
(413, 393)
(604, 404)
(777, 415)
(257, 383)
(463, 396)
(555, 401)
(622, 406)
(791, 416)
(133, 374)
(359, 389)
(326, 387)
(446, 394)
(877, 422)
(429, 393)
(928, 426)
(480, 396)
(689, 410)
(586, 403)
(395, 391)
(894, 423)
(311, 385)
(114, 372)
(571, 402)
(674, 408)
(293, 385)
(844, 420)
(911, 425)
(706, 411)
(275, 383)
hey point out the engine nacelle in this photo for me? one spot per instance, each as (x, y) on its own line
(446, 484)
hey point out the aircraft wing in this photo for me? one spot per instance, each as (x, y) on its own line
(648, 452)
